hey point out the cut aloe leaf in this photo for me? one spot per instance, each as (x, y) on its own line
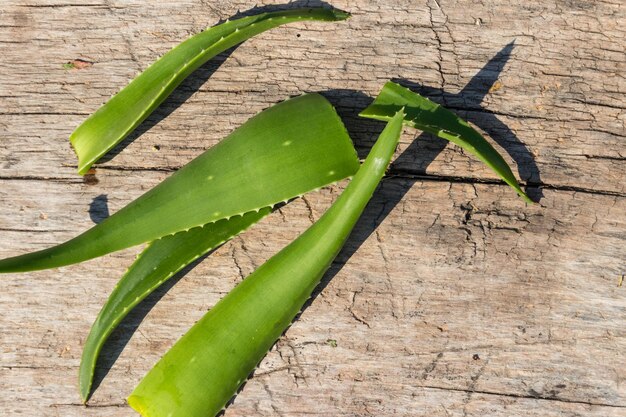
(128, 108)
(287, 150)
(206, 366)
(428, 116)
(154, 266)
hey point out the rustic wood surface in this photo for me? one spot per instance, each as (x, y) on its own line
(452, 298)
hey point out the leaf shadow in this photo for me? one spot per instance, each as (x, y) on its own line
(467, 103)
(285, 6)
(99, 208)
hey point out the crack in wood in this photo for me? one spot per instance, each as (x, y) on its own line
(537, 397)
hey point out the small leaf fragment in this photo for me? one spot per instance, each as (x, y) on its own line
(428, 116)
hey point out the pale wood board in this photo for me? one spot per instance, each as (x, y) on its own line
(452, 298)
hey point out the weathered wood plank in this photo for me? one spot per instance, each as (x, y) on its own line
(452, 298)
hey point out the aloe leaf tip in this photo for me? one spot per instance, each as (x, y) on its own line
(136, 404)
(428, 116)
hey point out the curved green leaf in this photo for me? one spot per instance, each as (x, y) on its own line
(287, 150)
(156, 264)
(128, 108)
(204, 369)
(428, 116)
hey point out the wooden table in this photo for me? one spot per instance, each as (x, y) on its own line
(452, 297)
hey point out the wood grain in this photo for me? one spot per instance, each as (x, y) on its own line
(452, 298)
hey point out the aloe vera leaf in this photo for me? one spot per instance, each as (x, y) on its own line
(291, 148)
(159, 261)
(203, 370)
(127, 109)
(428, 116)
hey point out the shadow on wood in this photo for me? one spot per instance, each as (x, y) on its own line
(99, 209)
(278, 7)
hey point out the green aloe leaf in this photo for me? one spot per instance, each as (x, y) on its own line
(287, 150)
(156, 264)
(128, 108)
(428, 116)
(204, 369)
